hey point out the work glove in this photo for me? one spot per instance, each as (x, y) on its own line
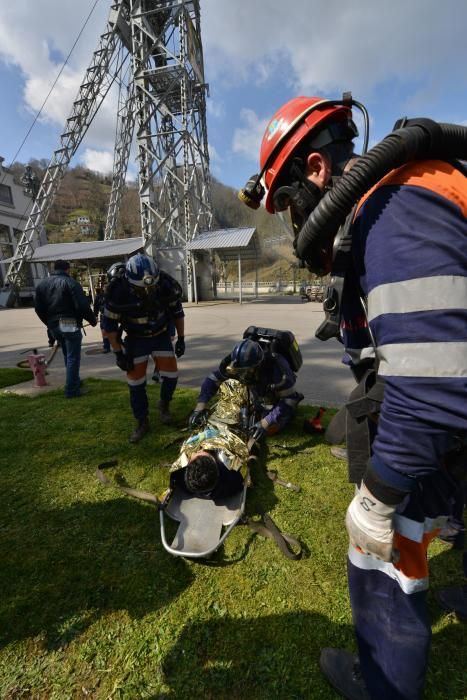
(180, 346)
(258, 431)
(124, 361)
(198, 417)
(369, 524)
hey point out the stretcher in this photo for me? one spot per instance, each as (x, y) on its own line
(202, 523)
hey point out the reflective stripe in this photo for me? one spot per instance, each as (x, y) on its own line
(416, 531)
(136, 382)
(162, 353)
(423, 359)
(421, 294)
(141, 358)
(111, 314)
(359, 354)
(369, 563)
(169, 375)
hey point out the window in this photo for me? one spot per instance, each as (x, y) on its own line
(5, 194)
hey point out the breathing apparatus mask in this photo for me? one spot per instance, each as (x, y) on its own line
(295, 192)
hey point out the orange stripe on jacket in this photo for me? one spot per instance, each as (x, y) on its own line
(435, 175)
(413, 561)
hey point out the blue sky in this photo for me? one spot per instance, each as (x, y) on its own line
(404, 57)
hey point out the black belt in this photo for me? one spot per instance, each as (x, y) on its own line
(147, 335)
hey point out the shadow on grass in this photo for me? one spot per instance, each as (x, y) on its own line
(82, 562)
(447, 658)
(275, 656)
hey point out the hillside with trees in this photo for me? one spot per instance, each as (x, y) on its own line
(80, 209)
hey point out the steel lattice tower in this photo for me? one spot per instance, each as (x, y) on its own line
(164, 103)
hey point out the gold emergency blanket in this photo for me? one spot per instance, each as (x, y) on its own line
(218, 433)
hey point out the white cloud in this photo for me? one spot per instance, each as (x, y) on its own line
(99, 161)
(215, 109)
(36, 37)
(214, 156)
(247, 139)
(332, 45)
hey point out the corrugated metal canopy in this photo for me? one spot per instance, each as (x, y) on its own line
(87, 250)
(224, 238)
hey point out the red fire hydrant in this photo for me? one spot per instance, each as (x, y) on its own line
(38, 365)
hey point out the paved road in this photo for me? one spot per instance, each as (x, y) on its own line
(211, 331)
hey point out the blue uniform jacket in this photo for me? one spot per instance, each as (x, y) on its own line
(275, 386)
(409, 246)
(142, 317)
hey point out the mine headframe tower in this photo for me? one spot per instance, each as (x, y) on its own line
(152, 49)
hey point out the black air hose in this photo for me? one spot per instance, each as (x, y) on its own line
(418, 139)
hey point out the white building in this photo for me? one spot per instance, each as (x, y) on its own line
(15, 206)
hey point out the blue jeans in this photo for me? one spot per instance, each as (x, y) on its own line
(71, 348)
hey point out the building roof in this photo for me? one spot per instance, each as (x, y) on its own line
(223, 238)
(87, 250)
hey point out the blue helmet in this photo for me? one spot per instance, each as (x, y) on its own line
(142, 270)
(245, 359)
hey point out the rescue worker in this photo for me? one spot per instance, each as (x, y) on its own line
(61, 305)
(271, 382)
(406, 282)
(143, 303)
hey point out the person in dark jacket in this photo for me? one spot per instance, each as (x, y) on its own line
(62, 305)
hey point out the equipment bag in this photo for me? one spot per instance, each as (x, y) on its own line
(281, 342)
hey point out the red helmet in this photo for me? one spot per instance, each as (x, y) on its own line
(287, 129)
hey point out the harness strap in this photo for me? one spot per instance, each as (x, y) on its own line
(266, 527)
(135, 493)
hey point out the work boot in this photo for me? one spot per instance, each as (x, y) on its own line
(454, 599)
(342, 669)
(164, 413)
(140, 431)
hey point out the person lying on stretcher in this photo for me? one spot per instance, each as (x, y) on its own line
(212, 462)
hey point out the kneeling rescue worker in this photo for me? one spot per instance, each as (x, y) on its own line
(399, 278)
(271, 382)
(143, 302)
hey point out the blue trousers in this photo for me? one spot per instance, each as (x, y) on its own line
(160, 348)
(389, 600)
(71, 349)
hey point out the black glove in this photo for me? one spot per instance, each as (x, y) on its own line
(258, 432)
(124, 361)
(198, 418)
(180, 346)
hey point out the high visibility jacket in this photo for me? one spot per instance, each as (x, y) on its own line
(409, 248)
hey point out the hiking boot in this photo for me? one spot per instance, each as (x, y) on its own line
(342, 670)
(454, 600)
(164, 413)
(140, 431)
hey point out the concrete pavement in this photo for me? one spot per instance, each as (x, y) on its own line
(211, 331)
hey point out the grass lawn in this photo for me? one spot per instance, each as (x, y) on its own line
(93, 607)
(14, 375)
